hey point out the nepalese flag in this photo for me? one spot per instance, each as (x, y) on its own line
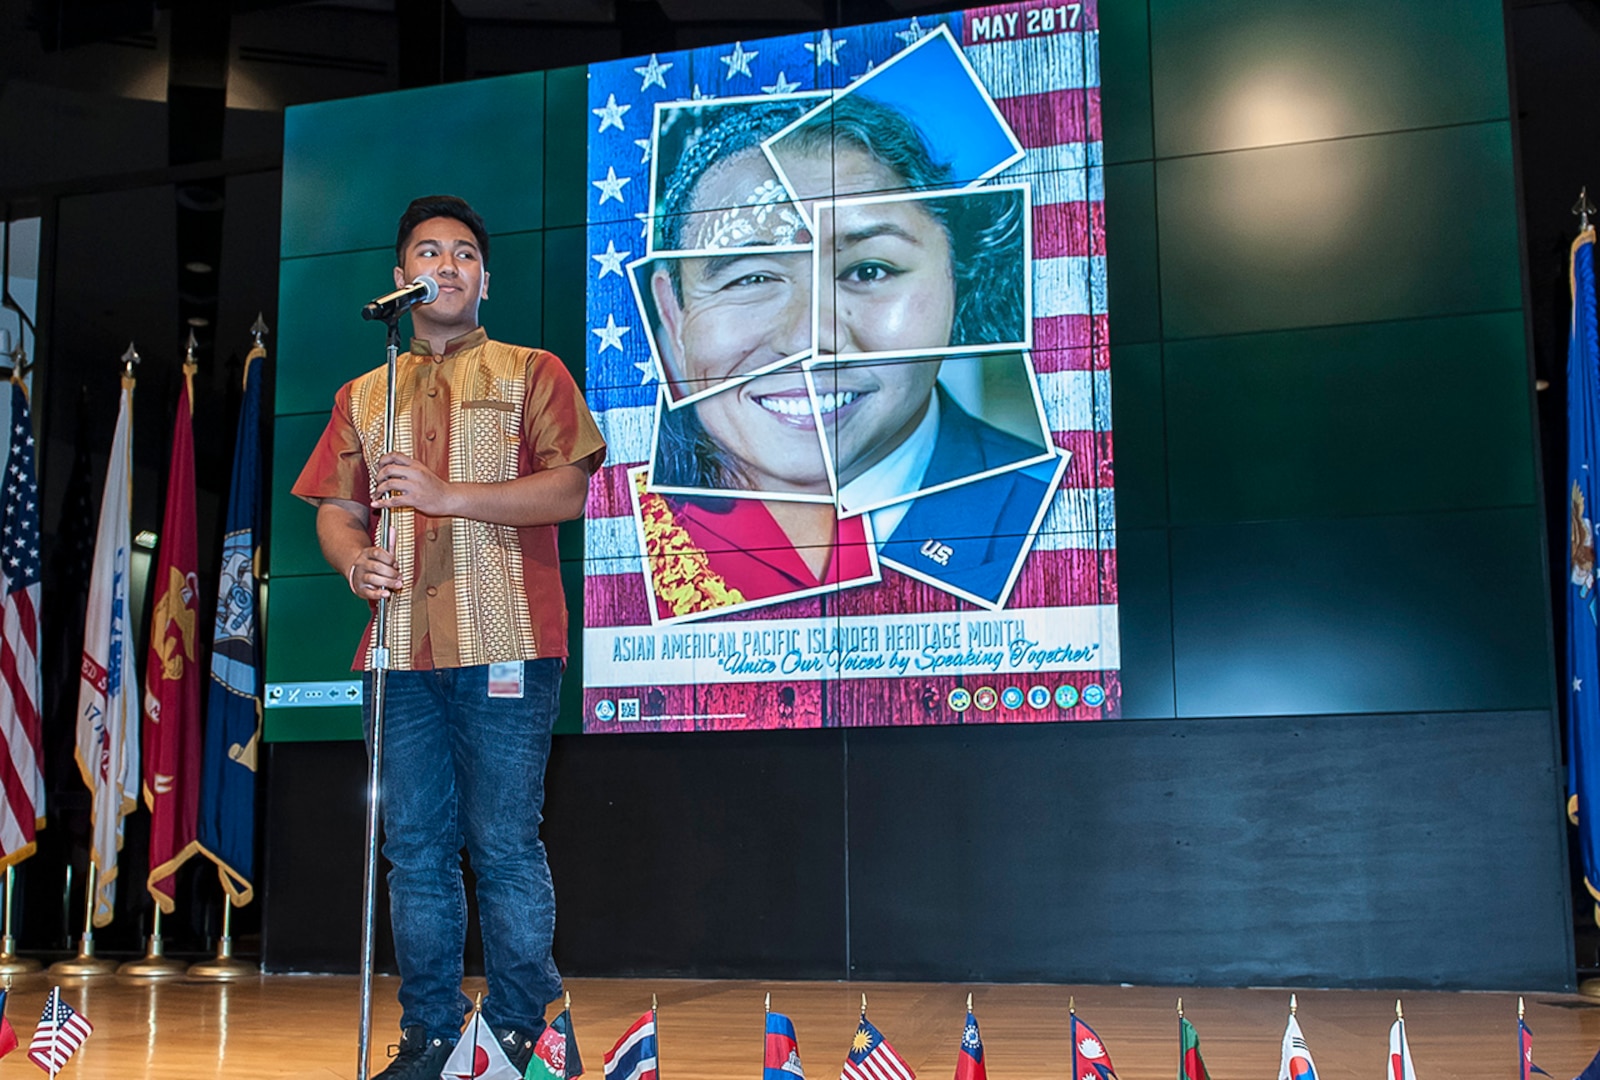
(62, 1029)
(227, 825)
(969, 1059)
(21, 731)
(1191, 1066)
(172, 673)
(782, 1058)
(478, 1056)
(872, 1058)
(1089, 1058)
(1591, 1071)
(1400, 1067)
(108, 720)
(555, 1055)
(1525, 1051)
(1583, 486)
(1296, 1062)
(634, 1056)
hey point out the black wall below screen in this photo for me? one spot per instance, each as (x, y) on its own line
(1309, 851)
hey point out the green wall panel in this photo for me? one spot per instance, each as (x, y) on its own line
(1138, 425)
(1125, 80)
(314, 625)
(1350, 230)
(514, 312)
(325, 341)
(565, 144)
(1429, 414)
(1133, 284)
(1144, 617)
(1266, 72)
(294, 549)
(566, 269)
(1432, 612)
(351, 166)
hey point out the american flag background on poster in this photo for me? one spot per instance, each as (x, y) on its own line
(847, 342)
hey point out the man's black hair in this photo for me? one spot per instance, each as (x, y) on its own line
(445, 206)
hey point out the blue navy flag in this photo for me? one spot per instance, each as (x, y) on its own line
(1583, 650)
(233, 706)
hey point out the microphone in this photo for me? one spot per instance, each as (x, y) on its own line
(424, 290)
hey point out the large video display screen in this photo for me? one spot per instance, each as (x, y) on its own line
(847, 343)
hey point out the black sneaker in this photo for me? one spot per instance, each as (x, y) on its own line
(518, 1045)
(417, 1057)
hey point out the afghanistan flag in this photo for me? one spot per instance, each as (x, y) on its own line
(172, 672)
(555, 1055)
(1191, 1066)
(233, 707)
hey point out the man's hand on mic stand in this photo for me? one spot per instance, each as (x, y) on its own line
(373, 575)
(407, 482)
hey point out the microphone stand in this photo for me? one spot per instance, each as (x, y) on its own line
(380, 668)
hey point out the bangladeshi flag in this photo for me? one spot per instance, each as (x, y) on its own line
(1191, 1066)
(172, 674)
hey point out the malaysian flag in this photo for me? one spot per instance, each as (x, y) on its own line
(872, 1058)
(634, 1056)
(22, 763)
(62, 1029)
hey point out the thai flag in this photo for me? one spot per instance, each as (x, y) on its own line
(783, 1052)
(634, 1056)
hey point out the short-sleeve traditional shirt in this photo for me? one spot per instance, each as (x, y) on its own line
(482, 412)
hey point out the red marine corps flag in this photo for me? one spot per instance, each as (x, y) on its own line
(172, 669)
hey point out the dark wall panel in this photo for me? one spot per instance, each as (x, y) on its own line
(1327, 851)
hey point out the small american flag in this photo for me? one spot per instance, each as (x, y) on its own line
(872, 1058)
(22, 781)
(61, 1030)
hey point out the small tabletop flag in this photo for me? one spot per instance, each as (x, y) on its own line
(1400, 1067)
(634, 1056)
(61, 1031)
(1089, 1058)
(872, 1058)
(1191, 1066)
(782, 1059)
(969, 1059)
(1296, 1062)
(478, 1056)
(556, 1053)
(8, 1036)
(1525, 1051)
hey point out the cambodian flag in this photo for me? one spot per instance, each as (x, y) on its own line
(634, 1056)
(969, 1062)
(783, 1052)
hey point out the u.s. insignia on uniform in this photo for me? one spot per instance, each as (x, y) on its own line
(939, 553)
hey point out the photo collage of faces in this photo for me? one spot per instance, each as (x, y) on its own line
(837, 296)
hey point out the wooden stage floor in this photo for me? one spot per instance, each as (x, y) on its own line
(304, 1027)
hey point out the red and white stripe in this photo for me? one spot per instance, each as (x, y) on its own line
(21, 756)
(882, 1064)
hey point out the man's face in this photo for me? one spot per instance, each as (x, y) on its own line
(445, 249)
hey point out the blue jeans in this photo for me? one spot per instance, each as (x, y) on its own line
(462, 767)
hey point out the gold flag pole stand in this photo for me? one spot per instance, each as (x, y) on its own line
(86, 963)
(155, 964)
(224, 965)
(10, 962)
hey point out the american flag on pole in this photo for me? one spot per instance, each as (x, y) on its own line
(634, 1056)
(22, 762)
(872, 1058)
(62, 1029)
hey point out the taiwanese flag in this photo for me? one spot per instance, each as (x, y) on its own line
(969, 1061)
(1089, 1058)
(1191, 1066)
(172, 673)
(1296, 1062)
(782, 1059)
